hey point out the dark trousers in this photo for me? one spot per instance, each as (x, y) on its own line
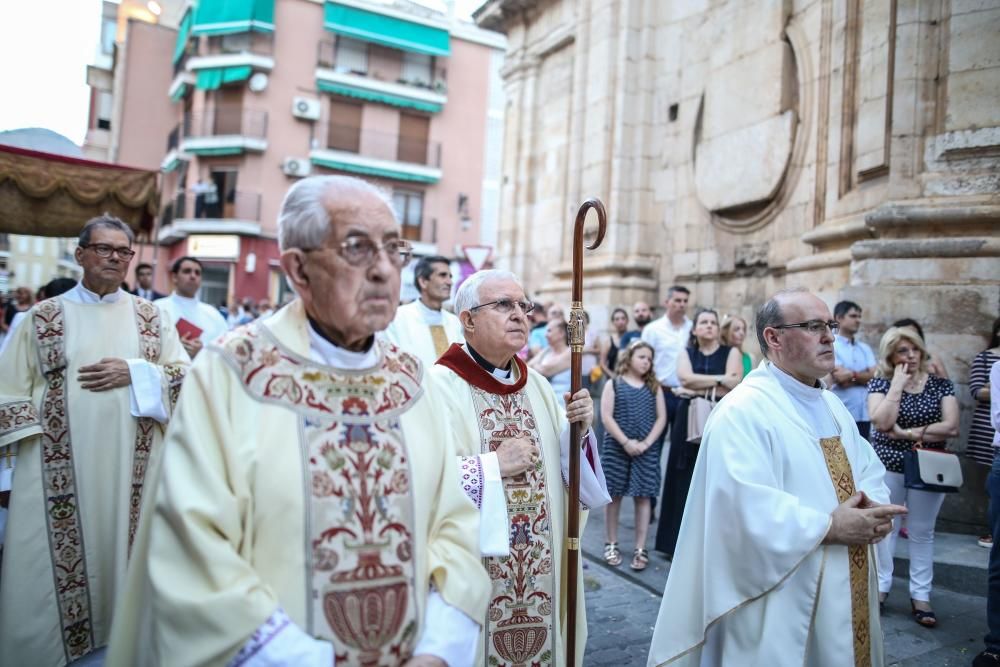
(865, 428)
(672, 402)
(993, 588)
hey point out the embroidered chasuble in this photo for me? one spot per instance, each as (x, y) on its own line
(772, 593)
(524, 622)
(81, 470)
(287, 484)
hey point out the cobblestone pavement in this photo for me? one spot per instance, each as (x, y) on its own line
(622, 609)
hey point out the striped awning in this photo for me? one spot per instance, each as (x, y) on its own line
(391, 31)
(368, 95)
(225, 17)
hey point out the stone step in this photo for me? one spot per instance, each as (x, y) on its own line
(960, 564)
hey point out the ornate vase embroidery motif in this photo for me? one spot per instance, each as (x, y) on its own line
(520, 628)
(360, 506)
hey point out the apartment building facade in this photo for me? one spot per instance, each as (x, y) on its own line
(260, 93)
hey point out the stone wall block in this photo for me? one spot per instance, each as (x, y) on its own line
(974, 99)
(974, 42)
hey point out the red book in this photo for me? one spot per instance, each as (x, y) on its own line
(188, 330)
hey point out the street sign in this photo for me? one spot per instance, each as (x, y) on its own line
(478, 255)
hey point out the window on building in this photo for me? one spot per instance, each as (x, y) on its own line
(351, 55)
(215, 284)
(418, 68)
(39, 245)
(105, 109)
(409, 207)
(344, 130)
(413, 132)
(109, 28)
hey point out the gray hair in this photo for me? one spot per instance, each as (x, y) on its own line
(769, 315)
(467, 296)
(107, 221)
(304, 221)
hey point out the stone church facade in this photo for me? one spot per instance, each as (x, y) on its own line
(743, 146)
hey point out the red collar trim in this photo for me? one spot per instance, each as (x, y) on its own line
(466, 368)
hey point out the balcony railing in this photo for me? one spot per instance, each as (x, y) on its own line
(383, 145)
(259, 43)
(224, 122)
(236, 205)
(433, 79)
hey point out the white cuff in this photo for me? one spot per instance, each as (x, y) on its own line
(7, 466)
(146, 390)
(448, 633)
(280, 643)
(593, 485)
(494, 525)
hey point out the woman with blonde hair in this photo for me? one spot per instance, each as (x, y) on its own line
(909, 406)
(634, 415)
(734, 332)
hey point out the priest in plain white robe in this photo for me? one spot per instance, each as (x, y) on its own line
(86, 388)
(184, 306)
(774, 564)
(513, 437)
(307, 510)
(424, 328)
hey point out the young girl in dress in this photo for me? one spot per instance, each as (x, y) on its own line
(634, 416)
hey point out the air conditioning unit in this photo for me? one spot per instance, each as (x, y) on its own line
(303, 107)
(296, 166)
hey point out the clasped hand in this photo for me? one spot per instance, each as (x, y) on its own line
(858, 520)
(515, 455)
(108, 373)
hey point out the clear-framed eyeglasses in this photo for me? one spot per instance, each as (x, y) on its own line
(361, 251)
(506, 306)
(814, 327)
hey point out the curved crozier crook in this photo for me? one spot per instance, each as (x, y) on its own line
(581, 217)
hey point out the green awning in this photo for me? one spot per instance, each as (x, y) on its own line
(388, 31)
(215, 150)
(214, 77)
(377, 96)
(225, 17)
(365, 170)
(179, 93)
(183, 33)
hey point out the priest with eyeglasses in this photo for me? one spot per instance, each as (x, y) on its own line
(87, 386)
(513, 438)
(308, 509)
(785, 476)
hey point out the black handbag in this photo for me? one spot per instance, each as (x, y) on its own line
(926, 469)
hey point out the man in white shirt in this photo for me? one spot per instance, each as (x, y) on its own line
(668, 337)
(855, 365)
(423, 327)
(183, 304)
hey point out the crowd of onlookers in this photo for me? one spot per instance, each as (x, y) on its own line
(647, 372)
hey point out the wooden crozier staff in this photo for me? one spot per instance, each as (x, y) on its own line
(577, 329)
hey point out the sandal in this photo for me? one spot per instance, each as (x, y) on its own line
(923, 617)
(640, 558)
(882, 597)
(612, 556)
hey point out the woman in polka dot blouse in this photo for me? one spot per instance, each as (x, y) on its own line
(907, 405)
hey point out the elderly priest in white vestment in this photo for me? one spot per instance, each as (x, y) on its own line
(513, 438)
(424, 327)
(308, 509)
(86, 388)
(773, 563)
